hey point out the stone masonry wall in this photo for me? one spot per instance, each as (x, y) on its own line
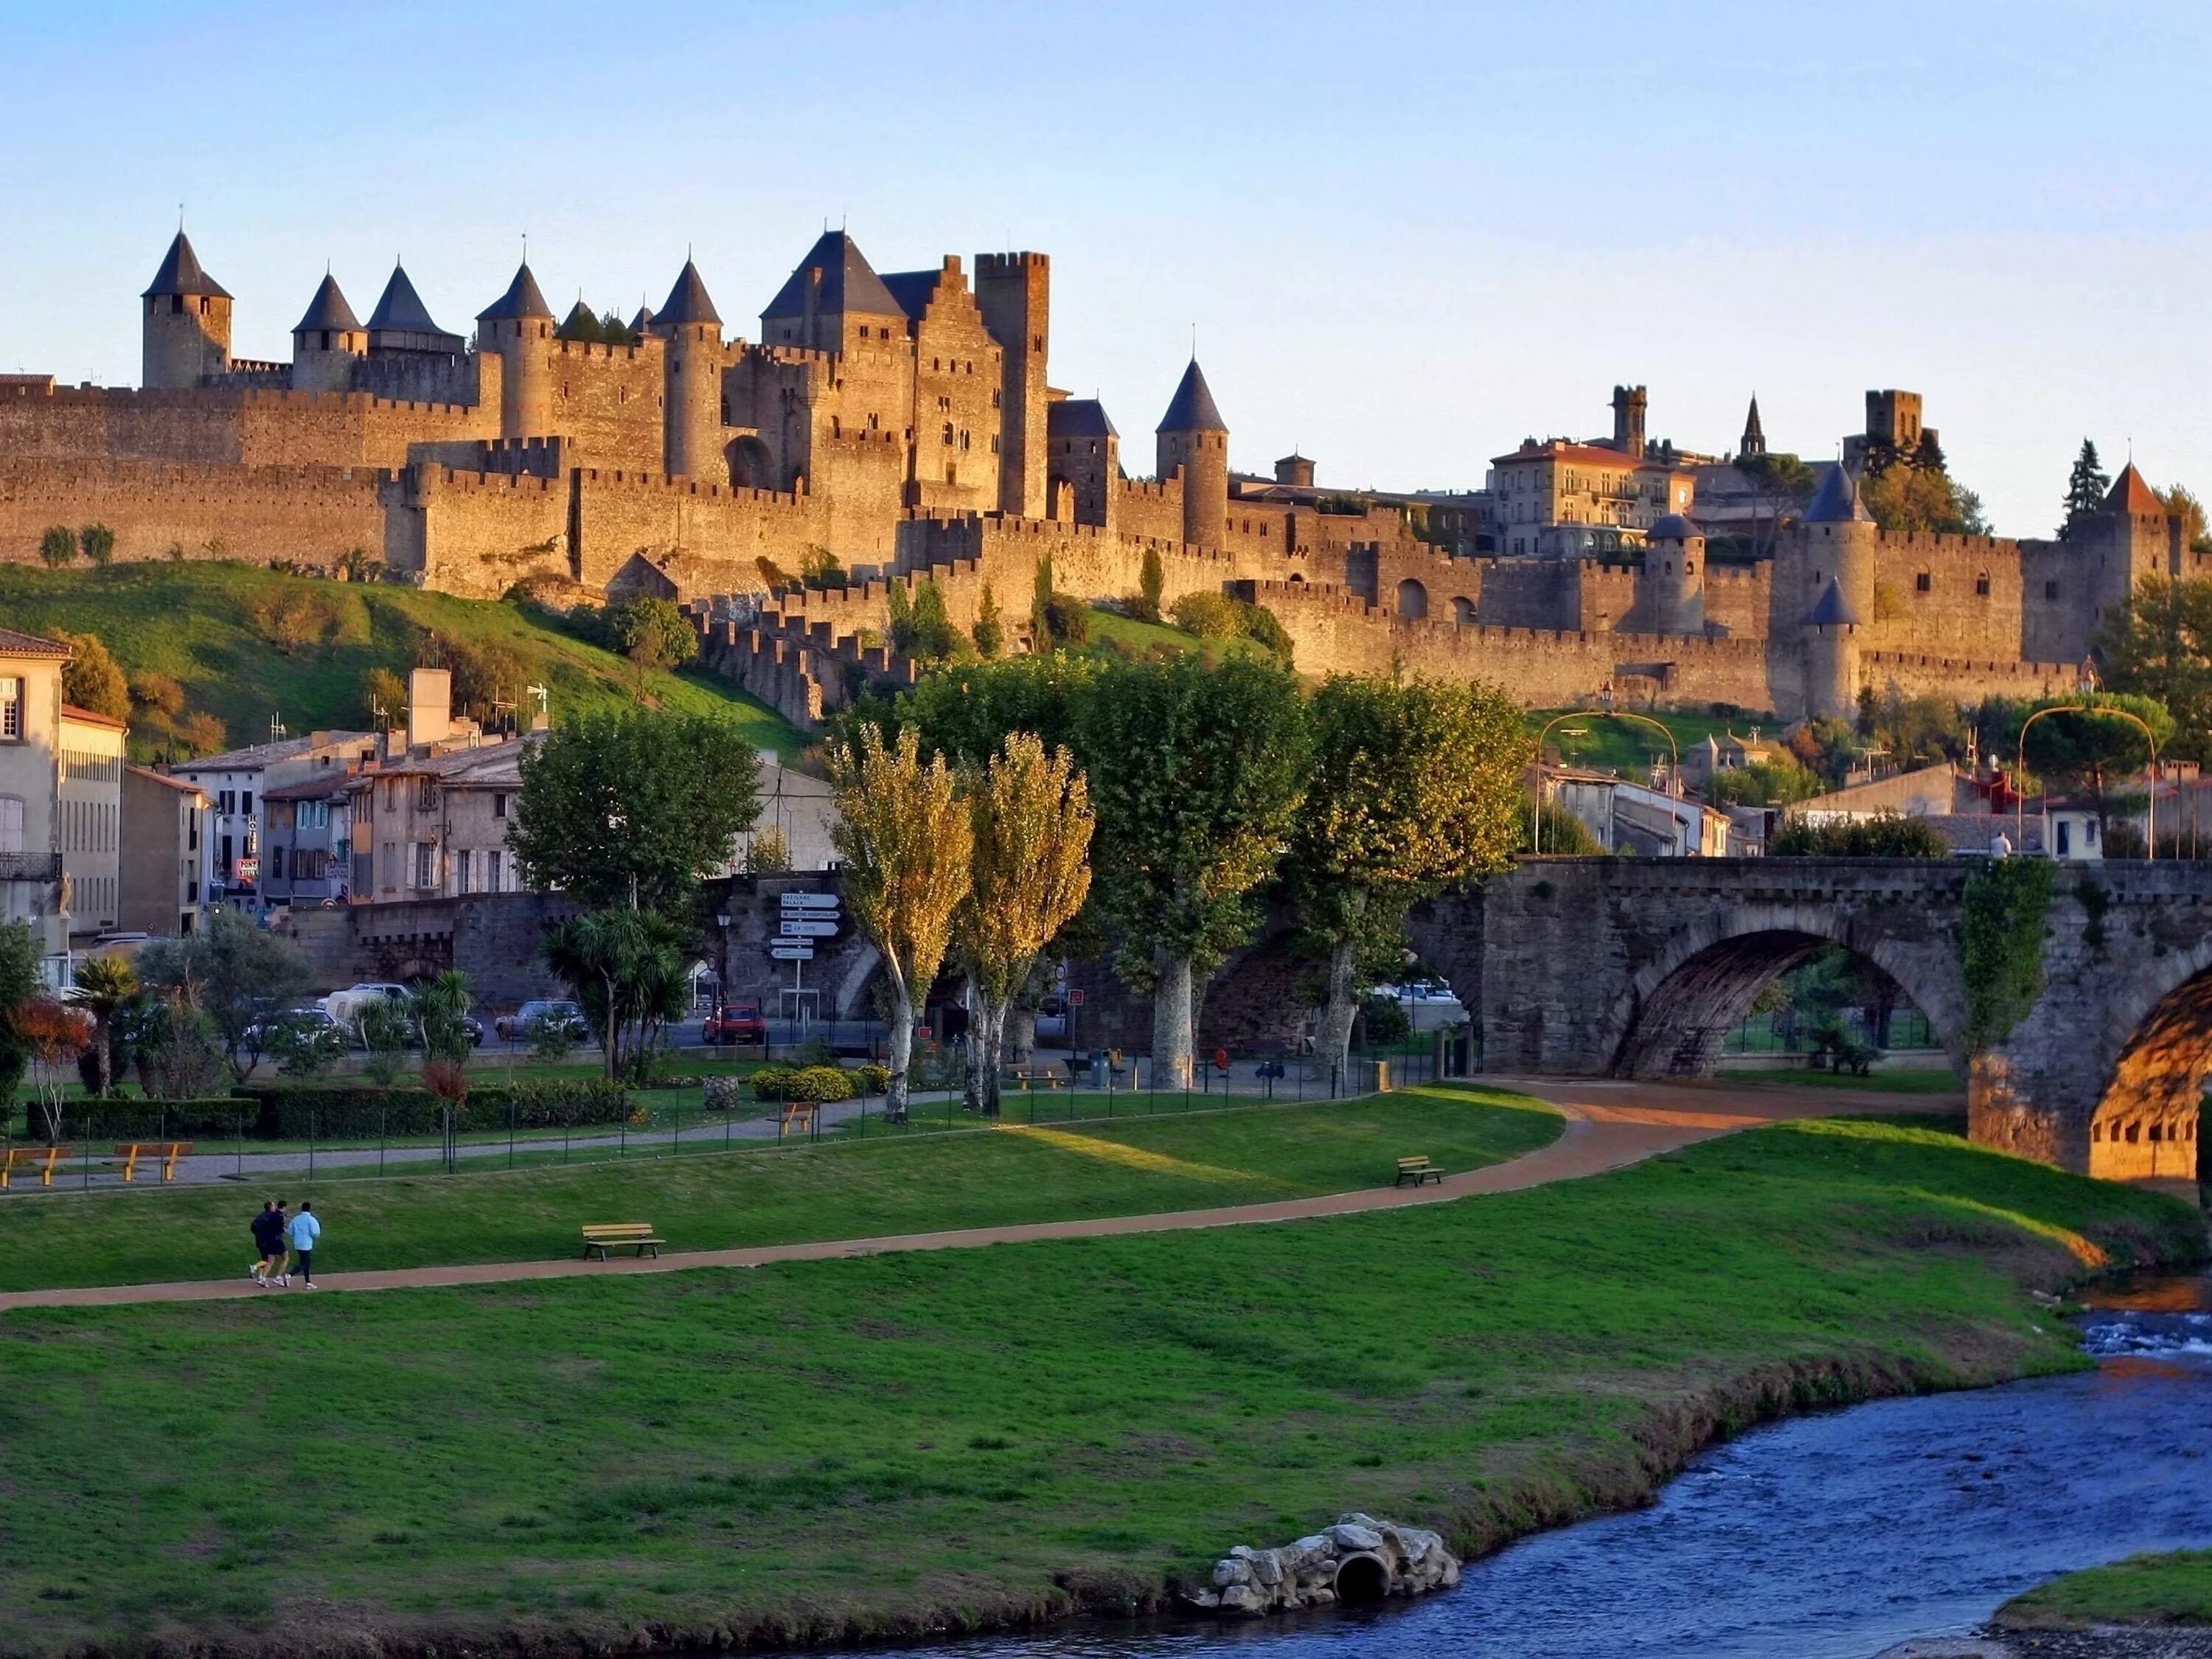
(315, 514)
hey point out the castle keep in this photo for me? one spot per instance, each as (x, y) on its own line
(903, 425)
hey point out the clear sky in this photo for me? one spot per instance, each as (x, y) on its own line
(1407, 234)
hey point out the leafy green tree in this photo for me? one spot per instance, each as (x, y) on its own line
(1908, 498)
(988, 633)
(1068, 619)
(91, 678)
(920, 629)
(1413, 785)
(581, 326)
(98, 542)
(967, 711)
(2159, 645)
(652, 632)
(1763, 783)
(383, 698)
(384, 1035)
(303, 1046)
(2096, 753)
(1151, 583)
(1040, 606)
(1196, 775)
(1565, 836)
(635, 807)
(907, 843)
(58, 547)
(1886, 835)
(441, 1007)
(106, 987)
(21, 982)
(237, 974)
(2087, 486)
(625, 968)
(2182, 502)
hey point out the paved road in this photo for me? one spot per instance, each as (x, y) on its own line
(1609, 1124)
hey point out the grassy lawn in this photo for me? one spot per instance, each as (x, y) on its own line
(846, 1188)
(826, 1449)
(1143, 637)
(2174, 1589)
(1630, 746)
(194, 622)
(1899, 1080)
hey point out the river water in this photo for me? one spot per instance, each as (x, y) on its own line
(1828, 1537)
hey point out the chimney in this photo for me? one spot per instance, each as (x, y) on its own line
(429, 707)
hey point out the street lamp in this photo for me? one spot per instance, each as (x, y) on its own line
(1674, 751)
(2020, 767)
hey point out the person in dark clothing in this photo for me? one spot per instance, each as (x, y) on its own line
(269, 1239)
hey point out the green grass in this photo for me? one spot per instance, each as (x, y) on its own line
(2173, 1589)
(194, 623)
(711, 1200)
(826, 1449)
(1143, 638)
(1630, 746)
(1896, 1081)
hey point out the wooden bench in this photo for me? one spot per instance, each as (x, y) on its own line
(167, 1150)
(1029, 1077)
(621, 1235)
(797, 1118)
(1417, 1171)
(28, 1158)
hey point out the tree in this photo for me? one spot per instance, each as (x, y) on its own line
(1041, 607)
(1763, 783)
(907, 843)
(383, 698)
(1414, 785)
(238, 975)
(1564, 835)
(2087, 486)
(53, 1035)
(178, 1054)
(441, 1011)
(202, 733)
(106, 988)
(1905, 498)
(626, 969)
(767, 853)
(920, 626)
(634, 807)
(91, 678)
(2159, 645)
(2091, 751)
(1885, 835)
(20, 982)
(98, 542)
(1196, 775)
(1782, 485)
(2184, 505)
(652, 632)
(1152, 584)
(968, 710)
(1068, 620)
(1030, 815)
(58, 547)
(819, 567)
(988, 633)
(294, 620)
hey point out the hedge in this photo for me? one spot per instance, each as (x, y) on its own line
(217, 1119)
(337, 1110)
(806, 1083)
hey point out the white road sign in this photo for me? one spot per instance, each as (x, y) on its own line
(809, 901)
(798, 952)
(808, 927)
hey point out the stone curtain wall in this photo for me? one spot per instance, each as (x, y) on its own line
(312, 515)
(607, 401)
(476, 534)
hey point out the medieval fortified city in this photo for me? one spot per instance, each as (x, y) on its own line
(1572, 1021)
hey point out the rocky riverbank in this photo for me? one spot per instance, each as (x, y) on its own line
(2110, 1642)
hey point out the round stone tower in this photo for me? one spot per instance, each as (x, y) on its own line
(1192, 438)
(519, 327)
(1836, 539)
(691, 406)
(327, 342)
(186, 324)
(1670, 589)
(1831, 655)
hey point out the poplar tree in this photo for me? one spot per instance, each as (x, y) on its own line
(907, 844)
(1041, 607)
(1032, 823)
(1414, 785)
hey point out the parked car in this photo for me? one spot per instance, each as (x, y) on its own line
(346, 1006)
(309, 1016)
(738, 1021)
(515, 1027)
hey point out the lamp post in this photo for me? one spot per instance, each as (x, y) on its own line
(2019, 764)
(1673, 750)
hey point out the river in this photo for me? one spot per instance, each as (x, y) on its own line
(1827, 1537)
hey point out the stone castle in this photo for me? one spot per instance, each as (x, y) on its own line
(904, 426)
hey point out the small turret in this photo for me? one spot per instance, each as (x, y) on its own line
(1296, 470)
(327, 342)
(519, 327)
(186, 322)
(1831, 655)
(401, 322)
(1193, 439)
(1670, 589)
(691, 408)
(1836, 538)
(1630, 405)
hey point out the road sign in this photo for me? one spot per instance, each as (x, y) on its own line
(795, 952)
(809, 901)
(808, 927)
(1075, 997)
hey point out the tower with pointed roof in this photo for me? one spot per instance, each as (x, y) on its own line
(691, 404)
(401, 322)
(1670, 587)
(1193, 440)
(1752, 444)
(328, 341)
(1830, 653)
(186, 337)
(519, 327)
(833, 300)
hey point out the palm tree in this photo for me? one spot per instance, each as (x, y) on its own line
(106, 987)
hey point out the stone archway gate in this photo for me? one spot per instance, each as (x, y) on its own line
(1640, 968)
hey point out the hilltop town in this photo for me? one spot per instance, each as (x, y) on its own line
(901, 427)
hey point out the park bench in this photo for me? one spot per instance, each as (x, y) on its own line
(167, 1150)
(1417, 1171)
(622, 1235)
(797, 1118)
(28, 1158)
(1031, 1077)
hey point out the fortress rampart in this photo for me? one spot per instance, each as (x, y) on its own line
(167, 509)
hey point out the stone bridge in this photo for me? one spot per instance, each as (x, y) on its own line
(1641, 967)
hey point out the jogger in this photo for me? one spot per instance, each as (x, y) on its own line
(268, 1240)
(306, 1230)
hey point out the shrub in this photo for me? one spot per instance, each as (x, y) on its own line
(220, 1117)
(1886, 836)
(57, 546)
(1209, 616)
(350, 1111)
(98, 542)
(871, 1079)
(1068, 619)
(819, 1084)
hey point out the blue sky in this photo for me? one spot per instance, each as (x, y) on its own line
(1407, 234)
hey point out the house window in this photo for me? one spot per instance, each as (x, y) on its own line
(246, 804)
(425, 863)
(11, 824)
(1924, 582)
(461, 872)
(498, 810)
(491, 871)
(276, 863)
(2050, 590)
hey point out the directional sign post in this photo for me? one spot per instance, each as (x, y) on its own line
(808, 927)
(809, 900)
(795, 952)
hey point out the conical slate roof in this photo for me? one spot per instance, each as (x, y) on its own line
(328, 309)
(181, 273)
(400, 308)
(581, 322)
(1192, 408)
(1673, 527)
(522, 300)
(1832, 609)
(1752, 428)
(642, 321)
(1837, 501)
(842, 278)
(2130, 493)
(688, 301)
(1078, 417)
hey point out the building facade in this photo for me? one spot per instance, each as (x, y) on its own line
(165, 827)
(89, 805)
(31, 887)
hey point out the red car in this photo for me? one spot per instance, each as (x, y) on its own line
(738, 1022)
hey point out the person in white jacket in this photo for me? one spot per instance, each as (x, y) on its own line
(305, 1231)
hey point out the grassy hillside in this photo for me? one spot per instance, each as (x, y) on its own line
(1629, 746)
(199, 624)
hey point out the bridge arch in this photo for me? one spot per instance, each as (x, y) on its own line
(1682, 1003)
(2150, 1113)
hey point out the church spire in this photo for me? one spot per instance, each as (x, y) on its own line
(1753, 441)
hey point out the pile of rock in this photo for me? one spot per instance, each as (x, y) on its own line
(1358, 1559)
